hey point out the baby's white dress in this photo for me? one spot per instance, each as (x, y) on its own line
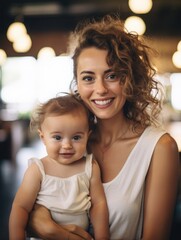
(67, 198)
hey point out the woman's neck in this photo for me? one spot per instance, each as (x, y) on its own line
(109, 130)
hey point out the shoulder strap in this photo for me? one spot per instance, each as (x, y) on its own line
(39, 163)
(88, 165)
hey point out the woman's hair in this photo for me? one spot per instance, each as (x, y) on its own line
(59, 106)
(128, 55)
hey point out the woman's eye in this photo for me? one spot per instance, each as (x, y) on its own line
(87, 78)
(112, 76)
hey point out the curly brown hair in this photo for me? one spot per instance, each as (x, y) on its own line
(129, 56)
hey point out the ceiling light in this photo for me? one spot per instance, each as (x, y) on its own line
(135, 24)
(176, 59)
(140, 6)
(15, 30)
(45, 53)
(22, 44)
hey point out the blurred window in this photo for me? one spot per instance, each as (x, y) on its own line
(27, 81)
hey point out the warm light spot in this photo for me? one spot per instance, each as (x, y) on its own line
(15, 31)
(135, 24)
(176, 58)
(22, 44)
(140, 6)
(45, 53)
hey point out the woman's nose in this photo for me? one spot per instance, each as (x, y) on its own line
(101, 87)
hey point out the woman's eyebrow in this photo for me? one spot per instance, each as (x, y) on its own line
(87, 72)
(91, 72)
(108, 70)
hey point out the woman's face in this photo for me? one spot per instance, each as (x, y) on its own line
(98, 84)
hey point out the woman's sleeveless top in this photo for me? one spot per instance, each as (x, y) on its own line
(125, 192)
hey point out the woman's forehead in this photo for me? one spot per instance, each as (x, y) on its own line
(92, 58)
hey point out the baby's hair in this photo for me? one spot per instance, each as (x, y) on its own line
(58, 106)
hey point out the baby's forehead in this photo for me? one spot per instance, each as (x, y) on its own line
(75, 113)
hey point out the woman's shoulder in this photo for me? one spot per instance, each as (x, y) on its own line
(166, 152)
(167, 142)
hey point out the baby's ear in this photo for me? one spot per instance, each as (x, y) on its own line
(40, 133)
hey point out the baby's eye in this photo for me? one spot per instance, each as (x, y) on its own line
(57, 137)
(77, 137)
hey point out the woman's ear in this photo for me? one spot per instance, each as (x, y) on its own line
(89, 133)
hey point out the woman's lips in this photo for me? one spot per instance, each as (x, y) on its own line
(103, 102)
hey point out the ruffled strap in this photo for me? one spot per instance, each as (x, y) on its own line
(39, 163)
(88, 165)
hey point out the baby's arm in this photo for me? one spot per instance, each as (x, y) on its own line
(99, 211)
(23, 203)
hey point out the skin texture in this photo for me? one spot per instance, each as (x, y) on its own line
(65, 138)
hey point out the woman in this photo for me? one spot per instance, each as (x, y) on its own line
(138, 159)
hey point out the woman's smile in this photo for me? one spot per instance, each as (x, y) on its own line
(103, 102)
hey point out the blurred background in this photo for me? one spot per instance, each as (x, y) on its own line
(34, 66)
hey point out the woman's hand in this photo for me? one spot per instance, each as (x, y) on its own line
(78, 231)
(42, 225)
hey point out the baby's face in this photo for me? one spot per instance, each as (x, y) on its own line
(65, 136)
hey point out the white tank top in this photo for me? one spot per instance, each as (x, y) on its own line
(125, 192)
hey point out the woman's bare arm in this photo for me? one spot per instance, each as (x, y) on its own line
(42, 225)
(161, 190)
